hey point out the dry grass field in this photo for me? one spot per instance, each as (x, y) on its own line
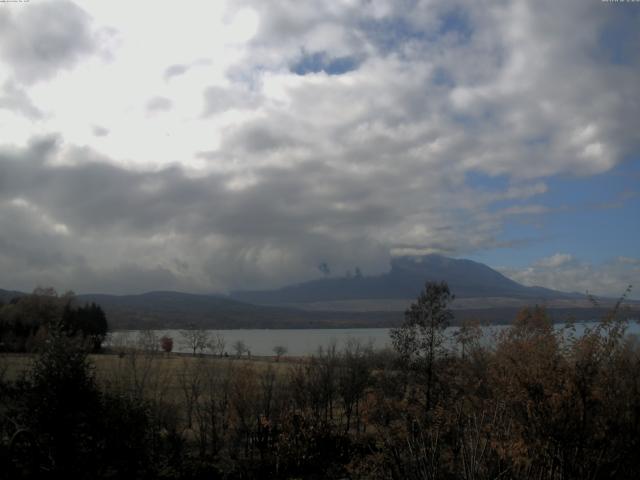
(149, 372)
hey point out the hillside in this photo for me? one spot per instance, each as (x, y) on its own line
(7, 295)
(184, 310)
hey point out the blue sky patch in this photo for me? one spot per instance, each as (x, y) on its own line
(595, 218)
(442, 78)
(390, 33)
(456, 21)
(484, 182)
(322, 62)
(619, 41)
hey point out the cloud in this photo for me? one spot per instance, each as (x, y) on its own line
(628, 260)
(40, 39)
(15, 99)
(220, 99)
(339, 132)
(565, 273)
(220, 230)
(506, 89)
(99, 131)
(554, 261)
(176, 231)
(159, 104)
(175, 70)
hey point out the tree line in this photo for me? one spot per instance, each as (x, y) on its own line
(27, 321)
(535, 402)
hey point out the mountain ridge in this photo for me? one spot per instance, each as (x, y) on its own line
(405, 279)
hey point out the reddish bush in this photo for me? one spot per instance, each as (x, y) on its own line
(166, 343)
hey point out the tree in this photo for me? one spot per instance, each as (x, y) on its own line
(279, 350)
(195, 339)
(468, 337)
(166, 343)
(26, 322)
(68, 427)
(60, 398)
(354, 376)
(147, 342)
(239, 347)
(420, 338)
(217, 344)
(89, 321)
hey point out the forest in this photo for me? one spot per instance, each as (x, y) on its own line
(533, 402)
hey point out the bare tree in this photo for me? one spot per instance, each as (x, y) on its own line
(354, 376)
(195, 339)
(279, 350)
(322, 376)
(468, 337)
(119, 342)
(190, 379)
(148, 341)
(239, 347)
(213, 409)
(138, 371)
(217, 344)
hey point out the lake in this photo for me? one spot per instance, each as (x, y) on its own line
(307, 341)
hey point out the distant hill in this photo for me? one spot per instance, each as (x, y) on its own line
(405, 280)
(180, 310)
(185, 310)
(7, 295)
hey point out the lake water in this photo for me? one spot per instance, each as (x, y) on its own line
(307, 341)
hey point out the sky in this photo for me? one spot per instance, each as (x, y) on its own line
(212, 146)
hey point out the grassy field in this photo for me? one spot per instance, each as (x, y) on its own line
(170, 367)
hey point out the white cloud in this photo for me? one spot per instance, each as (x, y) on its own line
(555, 260)
(565, 273)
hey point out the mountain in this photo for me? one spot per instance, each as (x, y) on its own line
(405, 280)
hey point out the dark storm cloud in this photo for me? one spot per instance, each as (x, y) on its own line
(73, 207)
(23, 239)
(125, 278)
(41, 38)
(296, 201)
(95, 195)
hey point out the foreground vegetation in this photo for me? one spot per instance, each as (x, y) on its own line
(533, 403)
